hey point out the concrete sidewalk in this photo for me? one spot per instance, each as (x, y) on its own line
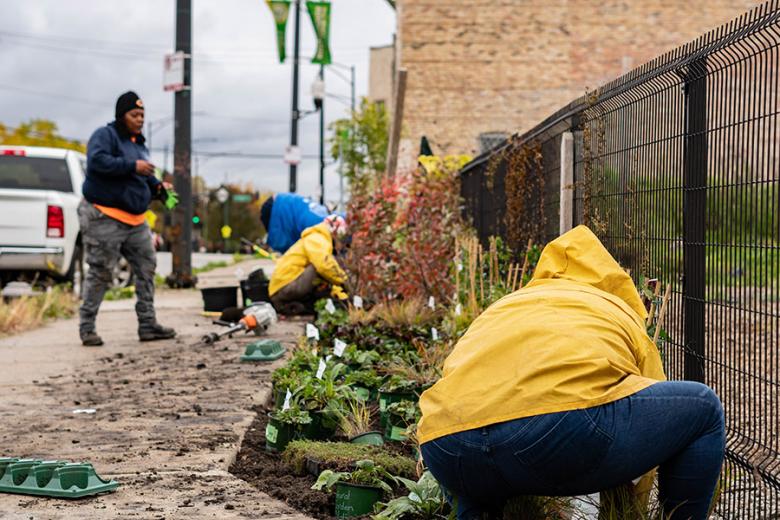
(170, 416)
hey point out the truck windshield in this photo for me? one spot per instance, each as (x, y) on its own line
(34, 173)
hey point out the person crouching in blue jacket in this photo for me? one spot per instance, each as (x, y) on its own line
(286, 215)
(120, 184)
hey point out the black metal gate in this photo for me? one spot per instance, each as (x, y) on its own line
(677, 170)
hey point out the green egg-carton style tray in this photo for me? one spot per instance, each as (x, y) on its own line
(263, 350)
(51, 478)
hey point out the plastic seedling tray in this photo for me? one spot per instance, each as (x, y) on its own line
(52, 478)
(263, 350)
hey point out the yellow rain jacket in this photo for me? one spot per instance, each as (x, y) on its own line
(573, 338)
(314, 247)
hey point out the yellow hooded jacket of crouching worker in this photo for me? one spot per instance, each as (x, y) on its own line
(573, 338)
(315, 247)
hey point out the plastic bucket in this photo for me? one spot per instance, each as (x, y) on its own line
(254, 291)
(217, 299)
(355, 500)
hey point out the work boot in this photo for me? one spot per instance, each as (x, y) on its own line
(155, 332)
(91, 339)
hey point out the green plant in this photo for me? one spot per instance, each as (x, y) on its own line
(398, 384)
(425, 501)
(361, 358)
(355, 418)
(119, 293)
(407, 411)
(329, 320)
(367, 473)
(292, 415)
(327, 394)
(341, 456)
(365, 378)
(210, 267)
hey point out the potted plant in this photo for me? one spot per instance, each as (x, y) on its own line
(358, 359)
(355, 423)
(424, 501)
(400, 416)
(396, 389)
(324, 399)
(284, 379)
(283, 426)
(365, 384)
(359, 490)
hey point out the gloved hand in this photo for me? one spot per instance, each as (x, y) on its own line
(338, 293)
(168, 196)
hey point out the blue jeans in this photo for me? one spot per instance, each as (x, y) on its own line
(676, 425)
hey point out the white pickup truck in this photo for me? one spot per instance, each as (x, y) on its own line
(40, 190)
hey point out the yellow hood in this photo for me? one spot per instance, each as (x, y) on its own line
(573, 338)
(580, 257)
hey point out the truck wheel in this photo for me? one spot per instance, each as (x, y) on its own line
(123, 274)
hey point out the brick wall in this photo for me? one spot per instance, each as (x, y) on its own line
(504, 65)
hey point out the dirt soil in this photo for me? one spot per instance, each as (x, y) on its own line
(169, 417)
(268, 473)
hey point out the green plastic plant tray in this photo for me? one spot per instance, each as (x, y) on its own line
(51, 478)
(263, 350)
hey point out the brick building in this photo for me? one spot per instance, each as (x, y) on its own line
(478, 66)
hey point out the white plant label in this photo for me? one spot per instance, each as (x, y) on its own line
(357, 301)
(312, 332)
(458, 310)
(434, 334)
(330, 307)
(460, 267)
(287, 397)
(321, 369)
(339, 347)
(432, 302)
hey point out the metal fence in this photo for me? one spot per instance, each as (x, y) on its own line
(676, 168)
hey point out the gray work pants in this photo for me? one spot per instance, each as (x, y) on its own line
(105, 239)
(299, 288)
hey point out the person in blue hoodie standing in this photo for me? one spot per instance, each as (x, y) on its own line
(120, 184)
(286, 215)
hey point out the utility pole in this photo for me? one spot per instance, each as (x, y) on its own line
(322, 140)
(182, 154)
(295, 113)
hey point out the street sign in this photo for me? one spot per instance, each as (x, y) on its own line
(226, 231)
(173, 72)
(242, 197)
(292, 155)
(223, 195)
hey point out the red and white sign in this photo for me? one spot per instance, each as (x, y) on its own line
(292, 155)
(173, 72)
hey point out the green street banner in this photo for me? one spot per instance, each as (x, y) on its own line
(281, 11)
(320, 18)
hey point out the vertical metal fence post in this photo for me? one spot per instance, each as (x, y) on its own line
(694, 214)
(567, 183)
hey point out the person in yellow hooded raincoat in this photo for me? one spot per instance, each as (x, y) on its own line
(557, 390)
(308, 265)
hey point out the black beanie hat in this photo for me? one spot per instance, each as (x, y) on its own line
(127, 102)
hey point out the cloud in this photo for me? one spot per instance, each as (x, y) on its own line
(86, 53)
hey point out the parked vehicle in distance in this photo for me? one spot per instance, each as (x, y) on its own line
(40, 190)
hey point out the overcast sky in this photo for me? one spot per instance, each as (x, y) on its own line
(68, 60)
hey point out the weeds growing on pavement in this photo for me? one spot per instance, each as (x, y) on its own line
(29, 312)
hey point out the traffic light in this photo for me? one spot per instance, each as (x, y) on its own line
(196, 221)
